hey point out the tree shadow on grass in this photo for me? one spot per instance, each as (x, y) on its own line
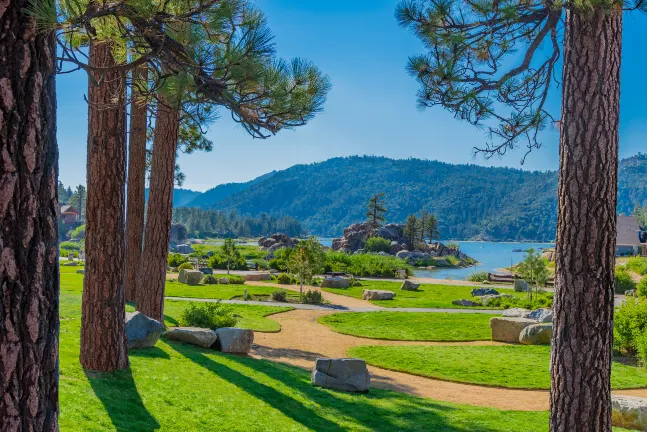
(378, 410)
(118, 394)
(153, 352)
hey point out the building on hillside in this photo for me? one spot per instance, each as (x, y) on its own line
(69, 215)
(628, 237)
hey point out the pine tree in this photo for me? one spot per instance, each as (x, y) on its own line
(431, 228)
(376, 209)
(411, 231)
(487, 64)
(422, 225)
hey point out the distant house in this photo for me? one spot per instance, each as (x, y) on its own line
(69, 215)
(627, 237)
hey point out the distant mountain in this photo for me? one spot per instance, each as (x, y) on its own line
(471, 201)
(181, 197)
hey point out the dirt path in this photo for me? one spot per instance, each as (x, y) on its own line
(302, 339)
(335, 299)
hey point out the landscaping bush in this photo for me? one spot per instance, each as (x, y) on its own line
(365, 264)
(479, 276)
(281, 259)
(78, 232)
(279, 296)
(208, 315)
(185, 266)
(284, 279)
(209, 280)
(315, 281)
(539, 300)
(637, 265)
(66, 252)
(219, 262)
(377, 244)
(175, 260)
(641, 290)
(73, 246)
(261, 264)
(235, 279)
(624, 281)
(630, 326)
(312, 297)
(354, 282)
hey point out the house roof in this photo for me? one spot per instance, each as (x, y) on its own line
(68, 209)
(627, 231)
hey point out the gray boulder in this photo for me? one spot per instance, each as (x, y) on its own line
(190, 277)
(234, 340)
(223, 281)
(257, 276)
(629, 412)
(521, 285)
(479, 292)
(407, 285)
(142, 331)
(516, 313)
(201, 337)
(80, 271)
(335, 282)
(468, 303)
(344, 374)
(536, 334)
(508, 329)
(543, 315)
(377, 295)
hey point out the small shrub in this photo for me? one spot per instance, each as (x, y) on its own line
(279, 296)
(235, 279)
(635, 264)
(261, 264)
(185, 266)
(66, 252)
(209, 280)
(78, 232)
(630, 327)
(74, 246)
(354, 282)
(313, 297)
(377, 244)
(284, 279)
(208, 315)
(624, 281)
(315, 281)
(641, 290)
(479, 276)
(176, 260)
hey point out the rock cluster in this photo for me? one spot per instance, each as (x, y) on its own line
(344, 374)
(523, 326)
(276, 241)
(226, 339)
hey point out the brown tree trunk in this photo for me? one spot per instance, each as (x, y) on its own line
(29, 276)
(150, 290)
(136, 184)
(103, 338)
(586, 231)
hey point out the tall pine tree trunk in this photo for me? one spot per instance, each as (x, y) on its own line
(29, 277)
(150, 291)
(103, 338)
(586, 229)
(136, 184)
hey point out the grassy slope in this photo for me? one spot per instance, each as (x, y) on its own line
(176, 387)
(428, 296)
(222, 292)
(411, 326)
(513, 366)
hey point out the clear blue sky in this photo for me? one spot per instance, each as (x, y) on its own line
(370, 110)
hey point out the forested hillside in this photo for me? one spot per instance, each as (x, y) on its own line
(470, 201)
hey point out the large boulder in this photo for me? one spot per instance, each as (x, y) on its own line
(142, 331)
(344, 374)
(521, 285)
(467, 303)
(190, 277)
(377, 295)
(335, 282)
(234, 340)
(407, 285)
(257, 276)
(223, 281)
(516, 313)
(479, 292)
(276, 241)
(543, 315)
(629, 412)
(201, 337)
(508, 329)
(536, 334)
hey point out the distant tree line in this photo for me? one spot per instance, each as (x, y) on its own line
(217, 223)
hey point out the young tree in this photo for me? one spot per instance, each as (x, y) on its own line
(78, 200)
(230, 252)
(411, 231)
(376, 209)
(306, 260)
(533, 268)
(29, 275)
(486, 58)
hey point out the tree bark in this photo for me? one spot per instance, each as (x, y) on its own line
(29, 275)
(152, 278)
(136, 186)
(103, 338)
(586, 231)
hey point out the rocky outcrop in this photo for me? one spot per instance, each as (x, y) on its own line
(629, 412)
(335, 282)
(234, 340)
(275, 242)
(344, 374)
(508, 329)
(190, 277)
(407, 285)
(377, 295)
(536, 334)
(142, 331)
(201, 337)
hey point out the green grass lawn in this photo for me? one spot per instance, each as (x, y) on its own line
(513, 366)
(222, 292)
(411, 326)
(428, 296)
